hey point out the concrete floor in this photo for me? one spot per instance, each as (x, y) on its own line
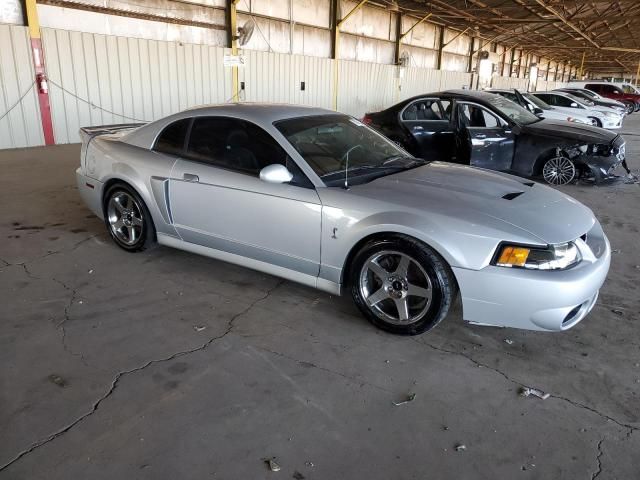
(168, 365)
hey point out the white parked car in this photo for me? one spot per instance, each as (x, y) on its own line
(604, 117)
(543, 109)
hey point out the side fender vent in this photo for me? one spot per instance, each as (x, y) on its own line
(528, 184)
(511, 196)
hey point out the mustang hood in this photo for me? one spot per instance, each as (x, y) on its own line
(569, 131)
(548, 214)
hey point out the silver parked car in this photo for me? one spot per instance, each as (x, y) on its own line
(319, 198)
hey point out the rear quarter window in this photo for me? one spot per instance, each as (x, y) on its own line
(171, 140)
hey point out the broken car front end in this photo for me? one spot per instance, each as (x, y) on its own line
(597, 162)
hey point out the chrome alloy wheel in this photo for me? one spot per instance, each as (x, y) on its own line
(559, 171)
(125, 218)
(395, 287)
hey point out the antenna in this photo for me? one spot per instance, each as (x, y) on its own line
(346, 172)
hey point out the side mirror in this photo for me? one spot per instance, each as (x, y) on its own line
(275, 173)
(538, 111)
(574, 105)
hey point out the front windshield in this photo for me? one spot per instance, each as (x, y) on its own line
(338, 147)
(537, 102)
(512, 110)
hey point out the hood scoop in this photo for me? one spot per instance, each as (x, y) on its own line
(511, 196)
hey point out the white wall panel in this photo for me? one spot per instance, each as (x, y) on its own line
(510, 82)
(277, 77)
(419, 57)
(102, 79)
(364, 87)
(418, 81)
(20, 125)
(423, 35)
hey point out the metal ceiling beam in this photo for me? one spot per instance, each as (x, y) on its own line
(569, 24)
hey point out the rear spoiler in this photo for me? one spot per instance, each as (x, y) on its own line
(87, 133)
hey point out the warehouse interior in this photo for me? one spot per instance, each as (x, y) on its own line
(167, 364)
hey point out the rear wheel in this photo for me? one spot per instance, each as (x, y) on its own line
(128, 219)
(558, 170)
(401, 285)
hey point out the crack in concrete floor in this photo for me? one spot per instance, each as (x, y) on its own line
(119, 375)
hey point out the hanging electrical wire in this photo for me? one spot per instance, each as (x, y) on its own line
(93, 105)
(18, 101)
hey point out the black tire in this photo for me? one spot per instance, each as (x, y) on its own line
(631, 106)
(597, 121)
(139, 222)
(428, 312)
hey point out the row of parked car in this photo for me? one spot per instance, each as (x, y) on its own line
(562, 135)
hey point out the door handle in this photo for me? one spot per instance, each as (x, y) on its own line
(189, 177)
(418, 127)
(480, 135)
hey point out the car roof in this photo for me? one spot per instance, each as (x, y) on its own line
(262, 114)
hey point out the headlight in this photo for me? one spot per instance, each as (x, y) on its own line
(554, 257)
(610, 114)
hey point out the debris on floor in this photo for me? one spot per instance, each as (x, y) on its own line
(309, 464)
(271, 463)
(617, 250)
(298, 476)
(461, 448)
(508, 341)
(199, 328)
(410, 398)
(90, 271)
(57, 380)
(617, 311)
(527, 391)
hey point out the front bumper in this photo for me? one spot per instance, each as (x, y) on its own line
(537, 300)
(611, 123)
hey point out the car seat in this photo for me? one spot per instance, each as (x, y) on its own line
(237, 155)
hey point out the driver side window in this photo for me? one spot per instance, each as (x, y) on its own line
(563, 101)
(238, 146)
(474, 116)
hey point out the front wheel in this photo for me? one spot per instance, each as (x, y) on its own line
(128, 219)
(595, 122)
(559, 170)
(401, 285)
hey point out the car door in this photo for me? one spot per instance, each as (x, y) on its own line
(428, 121)
(485, 139)
(218, 200)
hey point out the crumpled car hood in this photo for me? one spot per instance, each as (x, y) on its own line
(446, 188)
(568, 130)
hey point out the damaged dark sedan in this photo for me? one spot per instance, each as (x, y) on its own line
(485, 130)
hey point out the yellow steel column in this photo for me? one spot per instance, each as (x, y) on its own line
(582, 64)
(638, 72)
(233, 26)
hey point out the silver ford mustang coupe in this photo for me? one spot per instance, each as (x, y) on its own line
(317, 197)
